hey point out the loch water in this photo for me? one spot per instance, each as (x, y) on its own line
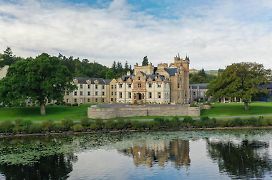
(228, 154)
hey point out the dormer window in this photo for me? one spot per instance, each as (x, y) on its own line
(129, 85)
(159, 85)
(120, 85)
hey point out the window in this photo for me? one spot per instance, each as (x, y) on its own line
(112, 93)
(75, 93)
(81, 86)
(96, 99)
(96, 93)
(89, 93)
(115, 86)
(115, 93)
(88, 99)
(120, 94)
(120, 85)
(139, 85)
(139, 78)
(111, 99)
(178, 85)
(103, 93)
(159, 95)
(96, 86)
(67, 100)
(129, 85)
(103, 100)
(150, 94)
(89, 86)
(159, 85)
(75, 100)
(81, 93)
(111, 86)
(129, 95)
(67, 93)
(103, 86)
(150, 85)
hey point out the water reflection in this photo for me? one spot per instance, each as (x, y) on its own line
(51, 167)
(181, 154)
(241, 160)
(148, 154)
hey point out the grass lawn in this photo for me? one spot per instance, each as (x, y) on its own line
(237, 109)
(53, 113)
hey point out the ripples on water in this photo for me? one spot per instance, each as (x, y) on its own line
(158, 155)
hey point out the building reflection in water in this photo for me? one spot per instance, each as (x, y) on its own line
(245, 160)
(161, 152)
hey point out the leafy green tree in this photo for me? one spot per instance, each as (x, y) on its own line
(145, 61)
(42, 79)
(201, 77)
(240, 80)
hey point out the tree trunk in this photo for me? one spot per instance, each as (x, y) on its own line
(42, 109)
(246, 106)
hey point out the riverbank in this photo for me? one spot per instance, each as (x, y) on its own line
(21, 127)
(5, 135)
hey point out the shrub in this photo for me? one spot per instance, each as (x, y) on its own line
(110, 124)
(204, 118)
(35, 128)
(6, 127)
(137, 125)
(159, 120)
(22, 126)
(188, 119)
(99, 123)
(77, 127)
(58, 127)
(85, 122)
(121, 124)
(47, 125)
(67, 124)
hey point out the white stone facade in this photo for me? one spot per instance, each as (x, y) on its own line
(89, 90)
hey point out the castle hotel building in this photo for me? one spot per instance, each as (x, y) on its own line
(163, 84)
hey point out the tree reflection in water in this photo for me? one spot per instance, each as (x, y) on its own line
(245, 160)
(148, 154)
(52, 167)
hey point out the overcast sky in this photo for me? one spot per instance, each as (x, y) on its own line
(213, 33)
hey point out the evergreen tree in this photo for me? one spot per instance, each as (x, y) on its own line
(145, 61)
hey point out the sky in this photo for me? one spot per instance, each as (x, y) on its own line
(213, 33)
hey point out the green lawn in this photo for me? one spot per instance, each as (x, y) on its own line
(237, 109)
(53, 113)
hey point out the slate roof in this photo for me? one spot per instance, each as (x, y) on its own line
(83, 80)
(171, 71)
(200, 86)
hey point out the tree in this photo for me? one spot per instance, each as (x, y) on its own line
(145, 61)
(7, 58)
(201, 77)
(42, 79)
(240, 80)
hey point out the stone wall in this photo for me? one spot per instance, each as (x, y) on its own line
(113, 111)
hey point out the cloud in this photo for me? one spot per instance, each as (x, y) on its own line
(213, 35)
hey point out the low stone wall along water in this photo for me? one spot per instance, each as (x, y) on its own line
(108, 111)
